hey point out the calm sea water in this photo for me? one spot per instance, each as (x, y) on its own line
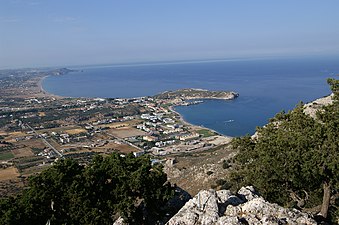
(265, 86)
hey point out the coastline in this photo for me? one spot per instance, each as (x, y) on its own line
(182, 120)
(44, 92)
(171, 108)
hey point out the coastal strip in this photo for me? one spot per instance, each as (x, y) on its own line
(172, 98)
(57, 72)
(39, 127)
(182, 120)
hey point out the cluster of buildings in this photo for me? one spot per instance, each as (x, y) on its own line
(166, 132)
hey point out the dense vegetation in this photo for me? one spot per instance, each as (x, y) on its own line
(99, 193)
(294, 160)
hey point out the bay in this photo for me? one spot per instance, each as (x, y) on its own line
(266, 86)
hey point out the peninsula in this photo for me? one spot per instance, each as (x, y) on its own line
(193, 93)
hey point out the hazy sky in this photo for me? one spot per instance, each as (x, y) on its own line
(71, 32)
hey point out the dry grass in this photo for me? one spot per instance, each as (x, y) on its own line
(190, 171)
(23, 152)
(8, 173)
(59, 129)
(126, 132)
(33, 143)
(11, 136)
(75, 131)
(123, 148)
(16, 134)
(121, 124)
(35, 170)
(115, 125)
(126, 149)
(218, 140)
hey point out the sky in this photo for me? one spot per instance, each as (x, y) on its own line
(37, 33)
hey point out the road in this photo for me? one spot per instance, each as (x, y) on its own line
(44, 140)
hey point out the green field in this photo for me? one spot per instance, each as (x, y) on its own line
(6, 155)
(206, 133)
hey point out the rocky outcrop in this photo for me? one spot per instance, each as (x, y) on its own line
(245, 207)
(192, 93)
(312, 107)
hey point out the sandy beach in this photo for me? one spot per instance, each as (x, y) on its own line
(43, 91)
(196, 127)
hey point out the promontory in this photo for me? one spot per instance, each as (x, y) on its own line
(192, 93)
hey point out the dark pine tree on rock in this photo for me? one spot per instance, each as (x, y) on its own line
(294, 160)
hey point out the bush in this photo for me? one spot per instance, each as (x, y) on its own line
(209, 173)
(225, 164)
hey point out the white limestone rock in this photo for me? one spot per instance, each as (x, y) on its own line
(248, 193)
(119, 221)
(221, 207)
(202, 209)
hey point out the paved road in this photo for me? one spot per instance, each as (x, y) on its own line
(44, 140)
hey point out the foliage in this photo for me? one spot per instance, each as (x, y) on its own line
(222, 184)
(6, 155)
(96, 194)
(205, 133)
(294, 155)
(225, 164)
(209, 172)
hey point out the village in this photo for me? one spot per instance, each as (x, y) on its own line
(38, 129)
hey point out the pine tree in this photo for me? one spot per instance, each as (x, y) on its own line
(294, 158)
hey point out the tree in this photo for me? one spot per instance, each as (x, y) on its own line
(294, 158)
(109, 187)
(330, 164)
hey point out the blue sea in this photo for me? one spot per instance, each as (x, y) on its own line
(266, 86)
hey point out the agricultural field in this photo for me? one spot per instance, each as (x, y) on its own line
(8, 173)
(206, 133)
(22, 152)
(126, 132)
(75, 131)
(6, 156)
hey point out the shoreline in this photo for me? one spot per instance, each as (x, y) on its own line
(171, 108)
(182, 120)
(43, 91)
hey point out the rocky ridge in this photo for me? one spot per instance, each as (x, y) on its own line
(316, 105)
(245, 207)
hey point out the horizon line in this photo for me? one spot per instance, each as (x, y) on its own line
(168, 62)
